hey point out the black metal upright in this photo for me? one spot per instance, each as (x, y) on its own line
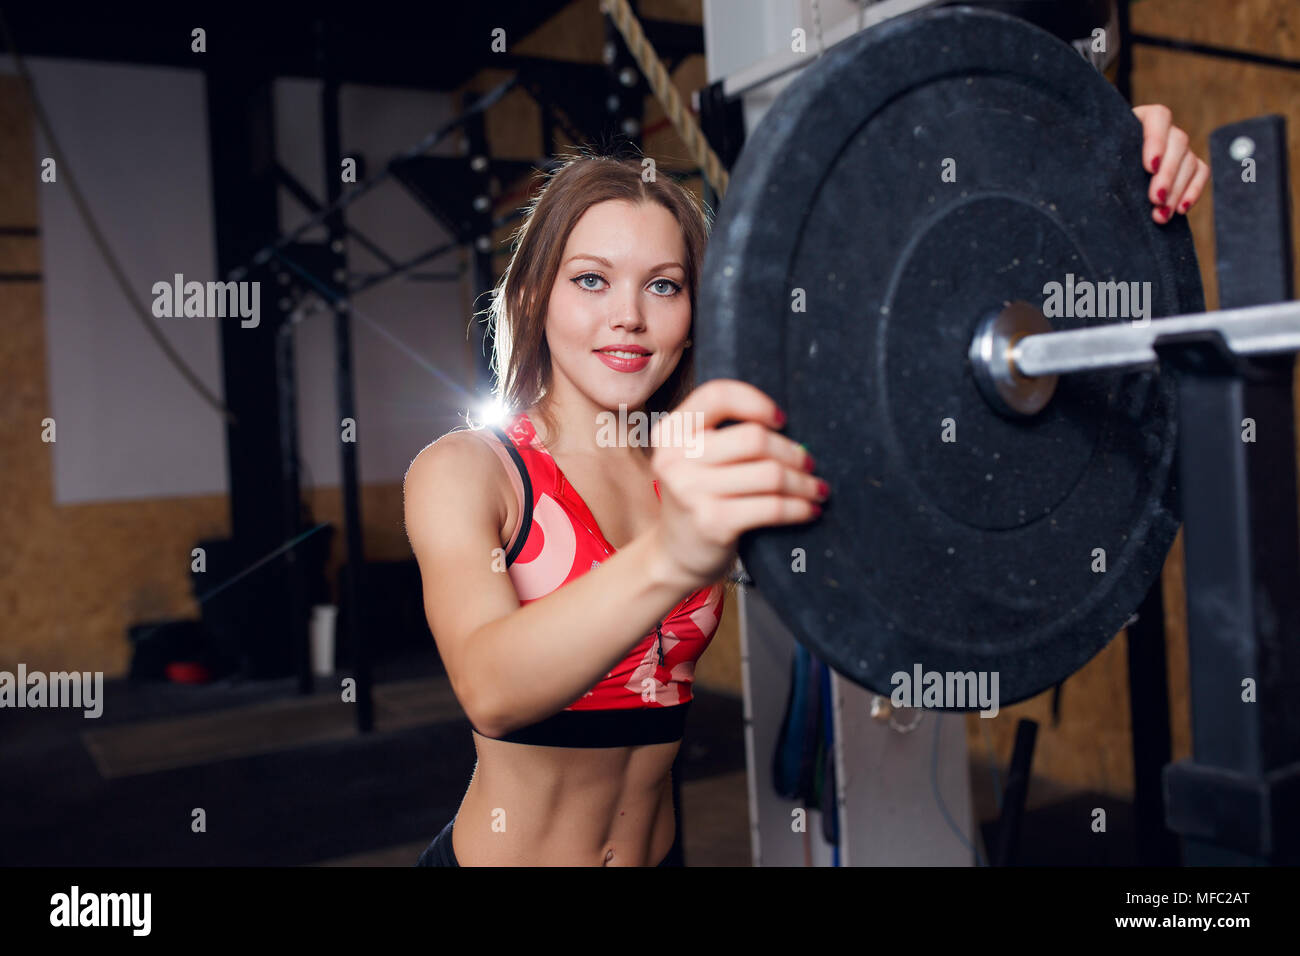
(291, 501)
(1237, 800)
(1124, 62)
(481, 246)
(354, 581)
(264, 493)
(722, 121)
(1148, 697)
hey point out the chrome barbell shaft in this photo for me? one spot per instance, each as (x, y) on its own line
(1255, 330)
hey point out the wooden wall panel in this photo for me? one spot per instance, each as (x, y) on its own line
(72, 578)
(1270, 27)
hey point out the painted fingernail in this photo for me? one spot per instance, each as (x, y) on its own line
(823, 489)
(1161, 194)
(1184, 207)
(1164, 212)
(817, 510)
(1155, 165)
(780, 418)
(808, 465)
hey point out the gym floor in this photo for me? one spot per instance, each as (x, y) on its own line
(280, 777)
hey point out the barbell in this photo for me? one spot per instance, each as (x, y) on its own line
(936, 255)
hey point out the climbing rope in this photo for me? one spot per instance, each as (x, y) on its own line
(688, 128)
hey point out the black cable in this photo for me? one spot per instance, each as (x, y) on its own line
(65, 168)
(938, 797)
(236, 578)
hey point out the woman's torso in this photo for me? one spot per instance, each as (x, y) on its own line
(573, 805)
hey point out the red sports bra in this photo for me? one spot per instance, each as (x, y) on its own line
(645, 698)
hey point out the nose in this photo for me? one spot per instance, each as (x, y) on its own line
(627, 313)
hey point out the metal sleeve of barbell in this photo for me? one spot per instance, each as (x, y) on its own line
(1254, 330)
(687, 127)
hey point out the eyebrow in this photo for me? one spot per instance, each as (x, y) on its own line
(609, 265)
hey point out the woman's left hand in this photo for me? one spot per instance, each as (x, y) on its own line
(1177, 176)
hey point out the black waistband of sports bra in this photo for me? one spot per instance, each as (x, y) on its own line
(603, 728)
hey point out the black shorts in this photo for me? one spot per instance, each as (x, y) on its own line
(439, 852)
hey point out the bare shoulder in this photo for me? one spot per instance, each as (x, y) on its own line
(458, 468)
(460, 450)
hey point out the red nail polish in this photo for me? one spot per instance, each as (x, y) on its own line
(780, 418)
(1161, 194)
(823, 489)
(1185, 206)
(1164, 212)
(808, 465)
(1155, 165)
(817, 510)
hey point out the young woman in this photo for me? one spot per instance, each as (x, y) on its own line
(572, 582)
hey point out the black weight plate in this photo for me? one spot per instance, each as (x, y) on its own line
(976, 554)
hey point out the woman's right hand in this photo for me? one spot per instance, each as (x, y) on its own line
(716, 483)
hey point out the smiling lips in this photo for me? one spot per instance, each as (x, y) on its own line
(630, 358)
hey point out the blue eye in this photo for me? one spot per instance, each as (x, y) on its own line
(673, 287)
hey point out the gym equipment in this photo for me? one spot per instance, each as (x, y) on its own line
(936, 254)
(974, 159)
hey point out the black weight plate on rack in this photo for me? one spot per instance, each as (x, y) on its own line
(976, 554)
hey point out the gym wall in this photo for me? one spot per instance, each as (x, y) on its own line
(115, 525)
(99, 552)
(138, 472)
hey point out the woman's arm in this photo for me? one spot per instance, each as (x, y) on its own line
(510, 665)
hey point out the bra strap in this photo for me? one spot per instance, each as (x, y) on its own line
(526, 519)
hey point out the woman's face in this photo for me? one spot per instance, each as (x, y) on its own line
(621, 283)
